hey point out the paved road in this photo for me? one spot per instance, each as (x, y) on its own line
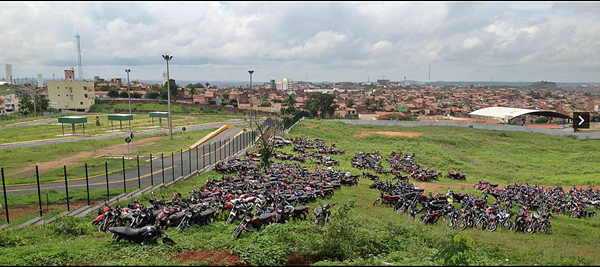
(116, 135)
(174, 167)
(33, 123)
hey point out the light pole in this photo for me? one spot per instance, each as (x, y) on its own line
(249, 96)
(167, 58)
(128, 92)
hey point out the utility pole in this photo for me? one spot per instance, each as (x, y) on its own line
(429, 77)
(167, 58)
(249, 96)
(128, 92)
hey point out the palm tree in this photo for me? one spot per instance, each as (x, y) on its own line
(368, 103)
(290, 101)
(350, 103)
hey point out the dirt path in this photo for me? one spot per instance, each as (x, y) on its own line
(363, 134)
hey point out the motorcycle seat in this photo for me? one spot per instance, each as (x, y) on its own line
(177, 216)
(300, 209)
(126, 231)
(264, 217)
(207, 213)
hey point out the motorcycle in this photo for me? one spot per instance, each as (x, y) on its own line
(148, 233)
(322, 213)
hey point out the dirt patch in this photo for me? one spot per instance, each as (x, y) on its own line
(363, 134)
(20, 211)
(120, 149)
(297, 260)
(210, 257)
(443, 187)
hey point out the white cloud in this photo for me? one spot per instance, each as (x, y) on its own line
(339, 39)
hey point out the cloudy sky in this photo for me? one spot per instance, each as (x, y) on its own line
(326, 41)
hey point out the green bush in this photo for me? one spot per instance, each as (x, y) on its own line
(72, 226)
(9, 239)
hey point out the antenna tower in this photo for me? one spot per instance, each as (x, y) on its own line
(429, 77)
(79, 57)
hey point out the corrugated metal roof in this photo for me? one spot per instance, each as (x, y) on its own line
(504, 112)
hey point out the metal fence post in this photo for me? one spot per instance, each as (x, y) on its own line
(197, 160)
(139, 178)
(162, 165)
(190, 160)
(203, 156)
(124, 180)
(151, 174)
(220, 151)
(106, 172)
(209, 155)
(67, 188)
(87, 184)
(37, 175)
(181, 156)
(173, 166)
(5, 199)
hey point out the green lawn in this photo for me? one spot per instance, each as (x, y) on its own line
(53, 130)
(363, 234)
(15, 160)
(108, 108)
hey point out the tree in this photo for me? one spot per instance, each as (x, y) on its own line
(264, 131)
(350, 103)
(173, 87)
(290, 101)
(113, 92)
(368, 103)
(124, 94)
(41, 104)
(233, 101)
(226, 95)
(265, 104)
(154, 94)
(541, 120)
(136, 95)
(25, 103)
(192, 92)
(194, 85)
(324, 103)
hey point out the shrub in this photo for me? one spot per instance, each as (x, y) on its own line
(9, 239)
(73, 226)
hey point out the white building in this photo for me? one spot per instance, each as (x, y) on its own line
(165, 79)
(40, 81)
(9, 74)
(284, 84)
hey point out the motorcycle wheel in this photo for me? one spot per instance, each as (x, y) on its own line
(376, 202)
(543, 230)
(478, 225)
(462, 225)
(320, 221)
(181, 225)
(237, 232)
(506, 224)
(491, 227)
(451, 224)
(410, 217)
(529, 230)
(328, 195)
(229, 219)
(401, 210)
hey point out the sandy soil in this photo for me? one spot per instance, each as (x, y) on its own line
(363, 134)
(212, 257)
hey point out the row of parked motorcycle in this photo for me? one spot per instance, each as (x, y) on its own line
(252, 196)
(399, 164)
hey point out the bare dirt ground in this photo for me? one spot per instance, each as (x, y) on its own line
(118, 149)
(20, 211)
(210, 257)
(297, 260)
(363, 134)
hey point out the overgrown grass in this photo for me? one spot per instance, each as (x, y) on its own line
(358, 234)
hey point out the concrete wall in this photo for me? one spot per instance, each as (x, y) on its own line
(59, 94)
(480, 126)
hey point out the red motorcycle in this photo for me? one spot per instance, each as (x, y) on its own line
(386, 199)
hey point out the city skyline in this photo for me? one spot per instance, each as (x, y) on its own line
(326, 41)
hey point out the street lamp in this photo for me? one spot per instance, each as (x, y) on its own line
(249, 92)
(128, 92)
(167, 58)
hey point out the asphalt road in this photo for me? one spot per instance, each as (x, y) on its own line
(33, 123)
(114, 135)
(218, 147)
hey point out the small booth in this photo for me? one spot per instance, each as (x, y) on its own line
(120, 118)
(159, 115)
(72, 120)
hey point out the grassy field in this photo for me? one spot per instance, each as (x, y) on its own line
(108, 108)
(360, 234)
(53, 130)
(19, 164)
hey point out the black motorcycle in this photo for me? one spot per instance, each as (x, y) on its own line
(148, 233)
(322, 214)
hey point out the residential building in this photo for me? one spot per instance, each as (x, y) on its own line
(71, 95)
(284, 84)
